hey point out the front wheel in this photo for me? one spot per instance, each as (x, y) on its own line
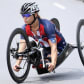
(12, 50)
(80, 40)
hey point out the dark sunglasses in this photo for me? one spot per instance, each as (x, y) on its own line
(26, 15)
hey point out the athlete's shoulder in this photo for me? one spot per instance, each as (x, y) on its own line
(46, 22)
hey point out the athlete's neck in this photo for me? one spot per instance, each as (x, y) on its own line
(35, 25)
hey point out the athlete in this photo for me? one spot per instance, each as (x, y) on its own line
(43, 29)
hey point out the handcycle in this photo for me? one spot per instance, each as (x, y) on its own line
(33, 52)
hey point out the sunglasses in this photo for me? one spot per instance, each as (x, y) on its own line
(26, 15)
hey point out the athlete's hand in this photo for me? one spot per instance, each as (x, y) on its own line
(51, 67)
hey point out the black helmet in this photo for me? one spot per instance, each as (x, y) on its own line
(29, 8)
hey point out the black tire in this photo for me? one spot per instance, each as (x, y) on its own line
(56, 22)
(80, 49)
(12, 74)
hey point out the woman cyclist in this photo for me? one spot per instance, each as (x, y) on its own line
(43, 29)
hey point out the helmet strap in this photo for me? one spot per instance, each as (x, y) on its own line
(33, 20)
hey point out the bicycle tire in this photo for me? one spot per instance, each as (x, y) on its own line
(14, 77)
(80, 24)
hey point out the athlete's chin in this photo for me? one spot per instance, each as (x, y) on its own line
(26, 23)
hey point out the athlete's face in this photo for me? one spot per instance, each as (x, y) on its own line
(28, 20)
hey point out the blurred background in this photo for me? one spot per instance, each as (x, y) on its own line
(69, 13)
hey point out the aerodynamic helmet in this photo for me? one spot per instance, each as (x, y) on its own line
(29, 8)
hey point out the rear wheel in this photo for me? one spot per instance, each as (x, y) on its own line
(12, 50)
(80, 40)
(56, 22)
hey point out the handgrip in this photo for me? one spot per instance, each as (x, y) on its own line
(46, 66)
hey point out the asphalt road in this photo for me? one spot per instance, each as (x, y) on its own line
(68, 12)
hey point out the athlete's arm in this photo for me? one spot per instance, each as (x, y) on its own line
(53, 51)
(51, 34)
(22, 46)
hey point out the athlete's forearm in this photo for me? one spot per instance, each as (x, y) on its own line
(22, 47)
(53, 54)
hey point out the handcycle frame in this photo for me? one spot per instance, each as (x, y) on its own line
(64, 54)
